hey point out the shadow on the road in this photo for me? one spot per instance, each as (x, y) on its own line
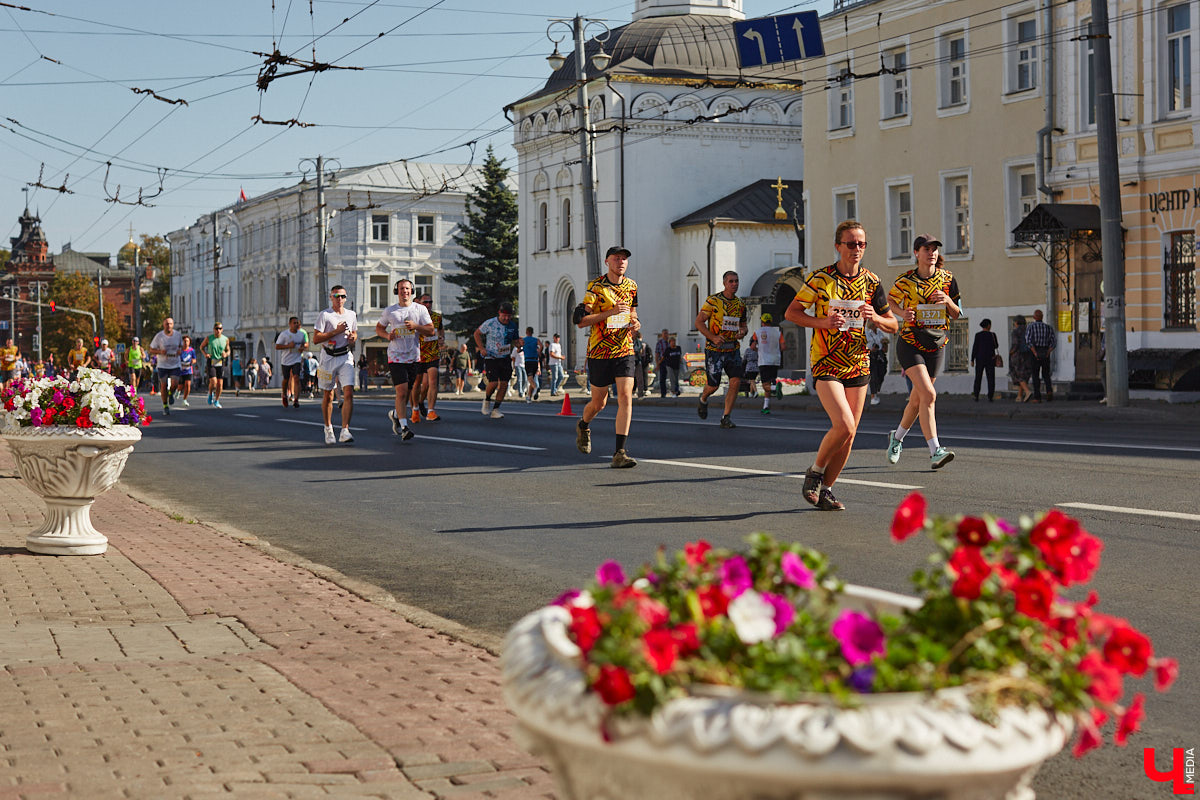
(655, 520)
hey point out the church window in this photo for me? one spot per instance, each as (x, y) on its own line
(565, 224)
(379, 228)
(543, 225)
(425, 228)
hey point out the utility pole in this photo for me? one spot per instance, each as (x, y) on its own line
(322, 266)
(100, 298)
(591, 224)
(216, 271)
(39, 322)
(1113, 252)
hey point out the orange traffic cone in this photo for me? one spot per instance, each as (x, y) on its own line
(566, 408)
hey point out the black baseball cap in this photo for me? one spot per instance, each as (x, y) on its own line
(618, 250)
(924, 239)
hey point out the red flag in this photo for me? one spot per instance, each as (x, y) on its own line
(242, 197)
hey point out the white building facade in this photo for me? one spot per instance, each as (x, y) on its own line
(677, 126)
(382, 223)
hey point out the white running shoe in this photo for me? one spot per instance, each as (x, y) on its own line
(186, 404)
(329, 437)
(346, 436)
(496, 414)
(485, 407)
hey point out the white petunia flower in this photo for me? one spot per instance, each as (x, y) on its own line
(752, 616)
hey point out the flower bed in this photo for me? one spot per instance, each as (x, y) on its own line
(92, 399)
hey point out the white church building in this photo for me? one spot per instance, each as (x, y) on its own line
(689, 155)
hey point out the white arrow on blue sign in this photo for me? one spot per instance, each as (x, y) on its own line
(774, 40)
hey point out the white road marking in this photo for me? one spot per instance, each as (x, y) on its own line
(1147, 512)
(745, 471)
(486, 444)
(307, 422)
(247, 416)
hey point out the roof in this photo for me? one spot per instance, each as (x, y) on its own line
(1058, 221)
(679, 46)
(87, 263)
(754, 203)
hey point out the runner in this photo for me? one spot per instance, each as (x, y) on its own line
(722, 322)
(425, 389)
(531, 348)
(495, 339)
(842, 296)
(770, 351)
(337, 331)
(216, 350)
(9, 355)
(292, 342)
(166, 344)
(609, 308)
(77, 357)
(923, 298)
(135, 361)
(105, 357)
(187, 365)
(404, 324)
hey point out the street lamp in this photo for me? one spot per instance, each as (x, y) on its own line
(578, 27)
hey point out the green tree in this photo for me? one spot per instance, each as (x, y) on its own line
(62, 328)
(489, 239)
(156, 304)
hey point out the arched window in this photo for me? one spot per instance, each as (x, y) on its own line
(542, 226)
(566, 223)
(695, 301)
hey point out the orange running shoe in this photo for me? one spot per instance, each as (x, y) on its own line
(432, 416)
(416, 417)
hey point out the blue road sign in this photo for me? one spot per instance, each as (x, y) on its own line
(774, 40)
(3, 324)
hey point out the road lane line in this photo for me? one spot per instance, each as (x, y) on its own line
(486, 444)
(746, 471)
(307, 422)
(247, 416)
(1146, 512)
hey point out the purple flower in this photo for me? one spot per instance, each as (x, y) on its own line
(862, 680)
(57, 398)
(35, 417)
(795, 571)
(784, 612)
(121, 393)
(735, 576)
(1006, 526)
(566, 597)
(610, 572)
(860, 636)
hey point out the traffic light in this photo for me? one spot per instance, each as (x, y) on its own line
(95, 341)
(52, 308)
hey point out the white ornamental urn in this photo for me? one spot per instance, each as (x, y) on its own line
(730, 745)
(68, 467)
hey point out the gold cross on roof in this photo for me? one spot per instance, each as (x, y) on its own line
(779, 186)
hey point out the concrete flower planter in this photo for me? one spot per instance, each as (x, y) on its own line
(722, 745)
(67, 467)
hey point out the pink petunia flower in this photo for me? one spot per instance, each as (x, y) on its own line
(785, 613)
(735, 576)
(610, 573)
(860, 636)
(795, 571)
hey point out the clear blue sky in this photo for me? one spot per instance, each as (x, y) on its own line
(437, 79)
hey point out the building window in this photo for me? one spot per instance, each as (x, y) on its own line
(956, 199)
(543, 311)
(425, 229)
(953, 82)
(380, 228)
(895, 95)
(900, 215)
(1087, 79)
(379, 291)
(1020, 187)
(543, 225)
(695, 301)
(845, 206)
(1024, 64)
(958, 345)
(127, 294)
(283, 293)
(1177, 55)
(565, 224)
(841, 100)
(1179, 281)
(422, 285)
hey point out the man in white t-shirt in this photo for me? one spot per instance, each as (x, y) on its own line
(292, 343)
(403, 324)
(166, 345)
(104, 356)
(336, 331)
(770, 352)
(558, 374)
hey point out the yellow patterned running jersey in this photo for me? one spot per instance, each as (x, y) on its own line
(429, 344)
(726, 316)
(611, 337)
(913, 291)
(840, 354)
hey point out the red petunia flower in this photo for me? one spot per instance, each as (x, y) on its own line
(585, 627)
(1128, 650)
(696, 552)
(1035, 595)
(687, 637)
(713, 602)
(68, 402)
(973, 531)
(613, 685)
(1166, 670)
(1089, 739)
(1055, 526)
(1131, 720)
(971, 570)
(83, 421)
(660, 649)
(909, 517)
(1074, 559)
(1106, 682)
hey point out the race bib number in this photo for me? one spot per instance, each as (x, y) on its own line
(618, 320)
(730, 323)
(851, 312)
(932, 315)
(433, 337)
(503, 350)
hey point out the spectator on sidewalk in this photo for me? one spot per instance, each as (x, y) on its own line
(877, 342)
(983, 359)
(462, 363)
(1020, 360)
(252, 375)
(641, 364)
(1040, 337)
(672, 359)
(558, 374)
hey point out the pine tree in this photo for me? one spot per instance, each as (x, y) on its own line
(489, 239)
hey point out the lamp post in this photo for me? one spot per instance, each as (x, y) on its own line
(578, 27)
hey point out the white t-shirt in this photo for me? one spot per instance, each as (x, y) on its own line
(172, 343)
(104, 356)
(289, 357)
(555, 352)
(406, 347)
(328, 320)
(768, 346)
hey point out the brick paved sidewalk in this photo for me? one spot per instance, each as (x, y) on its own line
(185, 662)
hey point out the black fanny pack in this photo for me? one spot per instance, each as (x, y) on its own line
(337, 351)
(930, 338)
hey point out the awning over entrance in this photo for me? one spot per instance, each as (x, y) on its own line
(1055, 231)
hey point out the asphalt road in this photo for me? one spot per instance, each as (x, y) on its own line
(481, 520)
